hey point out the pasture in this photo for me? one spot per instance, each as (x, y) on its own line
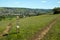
(28, 27)
(54, 33)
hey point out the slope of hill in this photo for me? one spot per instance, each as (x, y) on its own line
(54, 33)
(28, 26)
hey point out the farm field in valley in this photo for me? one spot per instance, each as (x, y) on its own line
(29, 26)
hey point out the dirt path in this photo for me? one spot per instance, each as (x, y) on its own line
(44, 31)
(6, 31)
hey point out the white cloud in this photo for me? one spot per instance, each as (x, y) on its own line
(58, 2)
(43, 1)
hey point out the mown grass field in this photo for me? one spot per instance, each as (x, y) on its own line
(28, 26)
(54, 33)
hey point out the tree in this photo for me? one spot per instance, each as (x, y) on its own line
(56, 10)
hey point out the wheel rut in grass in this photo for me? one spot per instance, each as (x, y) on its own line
(6, 31)
(40, 35)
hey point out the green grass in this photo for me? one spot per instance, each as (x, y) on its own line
(54, 33)
(28, 26)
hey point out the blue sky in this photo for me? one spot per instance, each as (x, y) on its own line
(41, 4)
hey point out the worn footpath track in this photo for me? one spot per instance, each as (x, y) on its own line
(6, 31)
(44, 31)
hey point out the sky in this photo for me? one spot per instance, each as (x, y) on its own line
(40, 4)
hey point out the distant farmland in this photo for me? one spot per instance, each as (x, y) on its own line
(29, 26)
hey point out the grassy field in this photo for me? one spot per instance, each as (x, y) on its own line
(28, 26)
(54, 33)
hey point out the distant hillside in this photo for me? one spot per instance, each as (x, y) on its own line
(23, 11)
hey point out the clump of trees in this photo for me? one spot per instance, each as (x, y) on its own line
(56, 10)
(2, 18)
